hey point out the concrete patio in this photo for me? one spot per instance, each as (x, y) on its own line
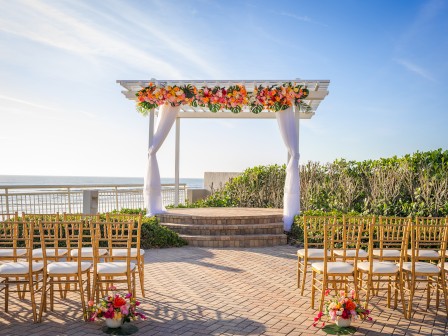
(205, 291)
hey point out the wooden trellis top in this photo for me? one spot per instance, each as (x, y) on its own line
(318, 91)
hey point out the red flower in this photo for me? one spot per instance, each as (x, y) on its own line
(118, 302)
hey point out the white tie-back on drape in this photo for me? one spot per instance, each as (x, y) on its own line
(291, 201)
(152, 190)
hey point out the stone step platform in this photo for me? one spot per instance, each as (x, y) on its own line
(226, 227)
(258, 240)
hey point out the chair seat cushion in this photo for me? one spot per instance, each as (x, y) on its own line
(422, 267)
(425, 253)
(445, 266)
(351, 253)
(20, 267)
(115, 267)
(51, 252)
(67, 267)
(312, 253)
(334, 267)
(387, 253)
(379, 267)
(123, 252)
(87, 252)
(9, 252)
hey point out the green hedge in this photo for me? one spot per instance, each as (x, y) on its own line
(153, 234)
(413, 185)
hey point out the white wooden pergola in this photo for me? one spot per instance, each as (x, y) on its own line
(318, 90)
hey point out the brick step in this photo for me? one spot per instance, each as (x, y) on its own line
(214, 220)
(227, 229)
(236, 240)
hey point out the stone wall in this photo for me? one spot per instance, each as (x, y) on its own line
(216, 180)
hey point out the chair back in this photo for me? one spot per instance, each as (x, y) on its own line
(48, 217)
(389, 233)
(54, 238)
(136, 232)
(17, 241)
(9, 217)
(112, 235)
(81, 217)
(428, 234)
(351, 233)
(313, 231)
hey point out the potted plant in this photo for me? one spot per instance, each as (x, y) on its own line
(116, 309)
(343, 309)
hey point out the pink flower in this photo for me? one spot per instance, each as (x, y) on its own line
(112, 288)
(90, 303)
(127, 296)
(327, 292)
(124, 310)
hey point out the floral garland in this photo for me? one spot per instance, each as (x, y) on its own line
(273, 98)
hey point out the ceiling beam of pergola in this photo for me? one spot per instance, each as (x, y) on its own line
(318, 90)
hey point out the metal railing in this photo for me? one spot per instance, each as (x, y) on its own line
(69, 198)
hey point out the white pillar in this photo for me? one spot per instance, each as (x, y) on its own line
(176, 173)
(151, 127)
(297, 118)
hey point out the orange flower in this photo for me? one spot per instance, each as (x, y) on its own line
(350, 305)
(118, 302)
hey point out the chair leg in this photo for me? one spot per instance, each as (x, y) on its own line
(313, 289)
(411, 296)
(298, 272)
(43, 298)
(51, 294)
(305, 269)
(134, 288)
(83, 299)
(322, 294)
(33, 299)
(6, 294)
(141, 275)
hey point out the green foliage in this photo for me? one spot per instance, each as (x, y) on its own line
(155, 235)
(412, 185)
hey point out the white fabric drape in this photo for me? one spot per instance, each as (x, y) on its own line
(291, 202)
(152, 190)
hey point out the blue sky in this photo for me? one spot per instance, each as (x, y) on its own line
(62, 113)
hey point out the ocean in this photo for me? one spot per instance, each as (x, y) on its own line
(11, 180)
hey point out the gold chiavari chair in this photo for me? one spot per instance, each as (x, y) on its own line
(330, 273)
(428, 238)
(49, 217)
(9, 217)
(347, 249)
(81, 217)
(388, 238)
(119, 235)
(378, 271)
(65, 272)
(137, 253)
(21, 270)
(313, 246)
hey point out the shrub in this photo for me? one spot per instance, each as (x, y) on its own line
(413, 185)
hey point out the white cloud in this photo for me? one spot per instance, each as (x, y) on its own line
(415, 69)
(48, 25)
(302, 18)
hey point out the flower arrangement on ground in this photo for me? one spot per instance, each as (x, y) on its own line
(116, 307)
(343, 307)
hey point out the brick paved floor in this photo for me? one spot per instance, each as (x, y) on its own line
(203, 291)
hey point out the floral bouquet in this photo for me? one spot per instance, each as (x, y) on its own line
(150, 97)
(343, 307)
(236, 98)
(214, 99)
(116, 307)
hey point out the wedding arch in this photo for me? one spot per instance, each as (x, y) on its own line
(288, 101)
